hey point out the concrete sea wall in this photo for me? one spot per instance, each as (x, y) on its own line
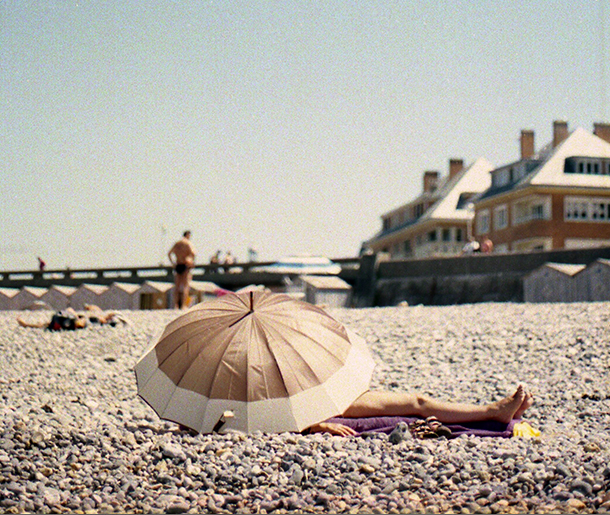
(461, 280)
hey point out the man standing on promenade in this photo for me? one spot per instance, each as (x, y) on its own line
(182, 258)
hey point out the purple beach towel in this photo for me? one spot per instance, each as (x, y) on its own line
(387, 425)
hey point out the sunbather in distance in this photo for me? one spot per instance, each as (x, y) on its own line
(70, 320)
(392, 404)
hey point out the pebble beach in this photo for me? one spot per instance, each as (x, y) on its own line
(75, 437)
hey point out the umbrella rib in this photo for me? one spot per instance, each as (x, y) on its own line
(221, 312)
(265, 338)
(185, 342)
(292, 368)
(247, 314)
(221, 360)
(201, 348)
(160, 411)
(312, 340)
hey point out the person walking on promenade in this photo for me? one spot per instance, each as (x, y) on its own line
(472, 247)
(229, 260)
(487, 246)
(41, 264)
(215, 260)
(182, 258)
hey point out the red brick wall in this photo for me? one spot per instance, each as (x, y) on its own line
(556, 228)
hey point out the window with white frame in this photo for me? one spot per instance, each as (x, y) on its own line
(483, 221)
(587, 209)
(500, 217)
(537, 212)
(532, 208)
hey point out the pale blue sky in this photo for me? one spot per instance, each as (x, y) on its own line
(290, 126)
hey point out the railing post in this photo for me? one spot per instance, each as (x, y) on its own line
(364, 291)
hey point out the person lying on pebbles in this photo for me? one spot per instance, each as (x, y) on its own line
(393, 404)
(70, 320)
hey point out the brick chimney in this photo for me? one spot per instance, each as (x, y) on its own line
(430, 181)
(602, 130)
(455, 167)
(527, 144)
(560, 132)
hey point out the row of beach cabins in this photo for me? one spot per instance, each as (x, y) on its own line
(557, 282)
(117, 296)
(330, 291)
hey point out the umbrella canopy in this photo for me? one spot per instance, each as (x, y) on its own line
(277, 363)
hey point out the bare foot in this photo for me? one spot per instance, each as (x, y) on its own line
(504, 410)
(527, 402)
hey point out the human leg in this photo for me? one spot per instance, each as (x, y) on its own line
(186, 291)
(380, 403)
(182, 289)
(37, 325)
(177, 290)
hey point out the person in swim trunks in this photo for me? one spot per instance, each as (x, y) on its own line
(182, 258)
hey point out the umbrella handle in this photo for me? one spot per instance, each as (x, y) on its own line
(222, 420)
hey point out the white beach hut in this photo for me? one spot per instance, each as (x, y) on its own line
(120, 296)
(331, 291)
(28, 297)
(86, 294)
(155, 295)
(58, 297)
(202, 291)
(6, 298)
(553, 282)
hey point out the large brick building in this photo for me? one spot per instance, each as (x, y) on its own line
(556, 198)
(438, 221)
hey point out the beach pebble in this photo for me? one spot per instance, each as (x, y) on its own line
(74, 436)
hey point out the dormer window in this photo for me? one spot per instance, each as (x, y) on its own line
(587, 165)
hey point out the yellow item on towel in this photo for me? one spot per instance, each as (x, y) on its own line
(524, 430)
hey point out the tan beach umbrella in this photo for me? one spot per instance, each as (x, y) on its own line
(278, 364)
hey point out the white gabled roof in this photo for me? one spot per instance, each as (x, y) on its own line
(126, 287)
(204, 286)
(66, 290)
(602, 261)
(158, 286)
(95, 288)
(566, 269)
(474, 179)
(9, 292)
(326, 282)
(579, 143)
(34, 290)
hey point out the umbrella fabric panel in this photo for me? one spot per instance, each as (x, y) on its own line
(201, 413)
(340, 391)
(302, 361)
(236, 349)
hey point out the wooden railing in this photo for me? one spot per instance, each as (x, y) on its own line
(238, 274)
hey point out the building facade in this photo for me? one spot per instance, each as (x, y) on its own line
(438, 222)
(556, 198)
